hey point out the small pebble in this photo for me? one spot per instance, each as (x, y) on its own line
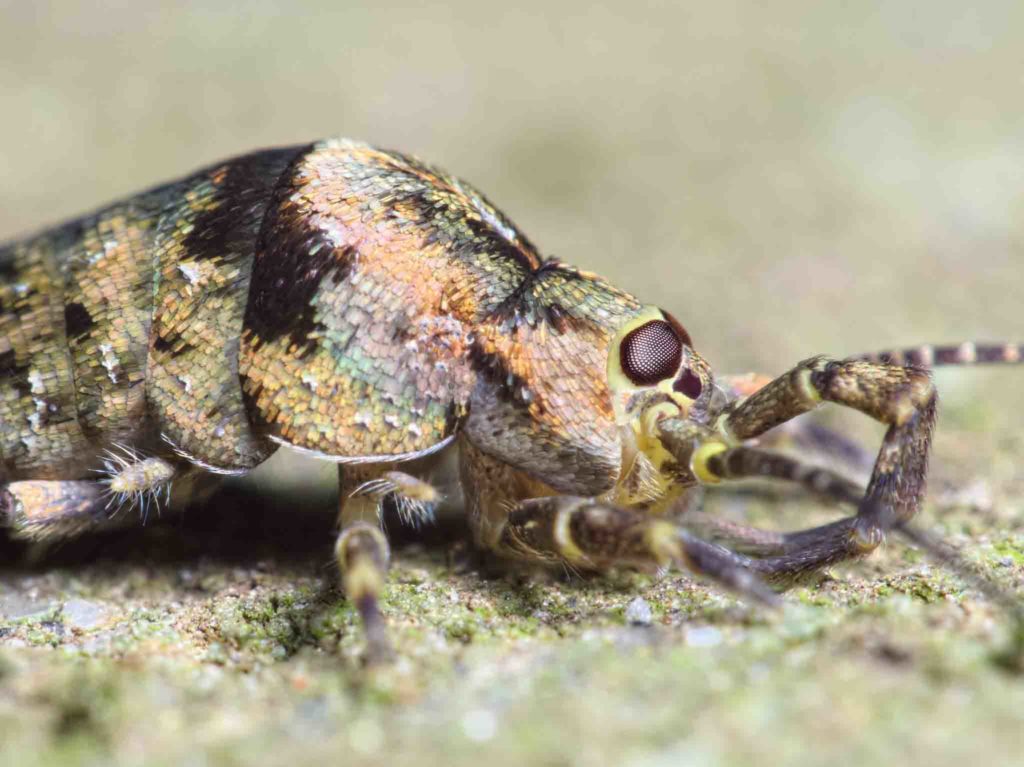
(25, 607)
(81, 614)
(638, 612)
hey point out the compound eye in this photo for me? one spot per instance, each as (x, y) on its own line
(651, 353)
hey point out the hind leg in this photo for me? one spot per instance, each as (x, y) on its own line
(41, 509)
(46, 509)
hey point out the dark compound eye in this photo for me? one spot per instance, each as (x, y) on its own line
(651, 353)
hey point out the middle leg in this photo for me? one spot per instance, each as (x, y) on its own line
(362, 549)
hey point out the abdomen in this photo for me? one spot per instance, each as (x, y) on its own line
(121, 328)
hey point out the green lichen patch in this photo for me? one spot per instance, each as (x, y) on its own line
(225, 637)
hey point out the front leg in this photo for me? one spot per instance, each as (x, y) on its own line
(903, 398)
(593, 535)
(517, 517)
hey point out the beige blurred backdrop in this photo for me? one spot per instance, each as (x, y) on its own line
(788, 178)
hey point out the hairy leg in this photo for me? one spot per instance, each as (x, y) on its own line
(362, 551)
(589, 534)
(47, 509)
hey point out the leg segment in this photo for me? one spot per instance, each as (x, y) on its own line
(786, 556)
(802, 434)
(784, 559)
(415, 500)
(751, 463)
(363, 553)
(47, 509)
(131, 478)
(593, 535)
(904, 398)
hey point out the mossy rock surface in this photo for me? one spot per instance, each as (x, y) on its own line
(216, 639)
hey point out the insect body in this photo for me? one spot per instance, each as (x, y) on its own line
(360, 306)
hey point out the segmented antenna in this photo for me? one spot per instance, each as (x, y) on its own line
(967, 353)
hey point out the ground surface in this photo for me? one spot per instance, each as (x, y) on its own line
(787, 178)
(213, 640)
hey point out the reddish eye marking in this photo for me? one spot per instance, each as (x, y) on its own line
(688, 384)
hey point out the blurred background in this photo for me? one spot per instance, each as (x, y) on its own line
(787, 178)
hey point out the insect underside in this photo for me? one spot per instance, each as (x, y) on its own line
(360, 306)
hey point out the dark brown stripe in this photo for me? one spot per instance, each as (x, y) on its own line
(77, 320)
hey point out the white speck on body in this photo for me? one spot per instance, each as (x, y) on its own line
(190, 272)
(35, 382)
(109, 361)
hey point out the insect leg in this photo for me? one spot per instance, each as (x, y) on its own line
(415, 499)
(131, 478)
(593, 535)
(801, 434)
(42, 509)
(786, 558)
(45, 509)
(751, 463)
(811, 437)
(743, 462)
(362, 551)
(902, 397)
